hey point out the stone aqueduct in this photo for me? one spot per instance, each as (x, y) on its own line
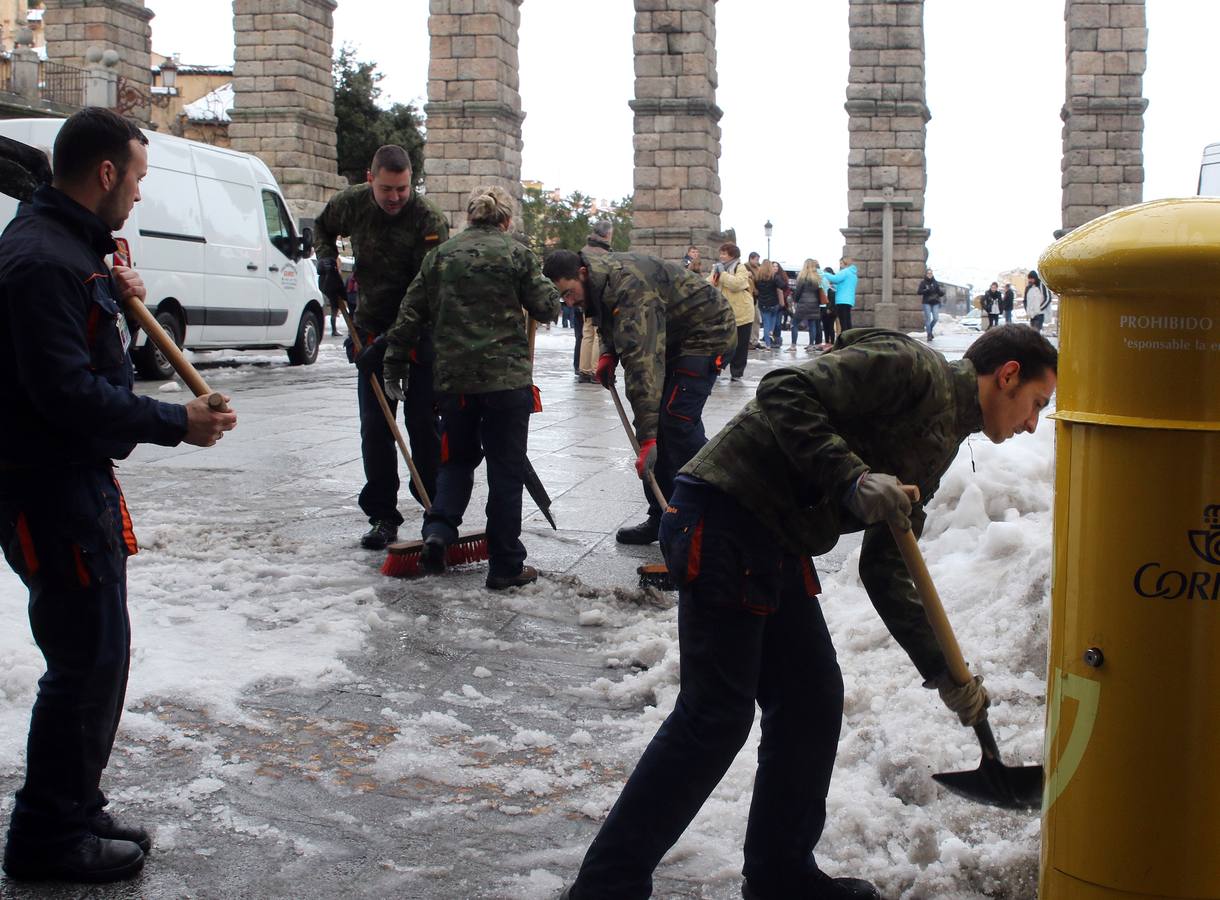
(284, 113)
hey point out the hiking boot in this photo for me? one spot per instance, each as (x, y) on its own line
(432, 556)
(644, 533)
(379, 536)
(503, 582)
(821, 887)
(105, 825)
(92, 859)
(585, 378)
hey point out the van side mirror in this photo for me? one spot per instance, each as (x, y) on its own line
(306, 242)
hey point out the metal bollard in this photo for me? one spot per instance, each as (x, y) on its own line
(1131, 804)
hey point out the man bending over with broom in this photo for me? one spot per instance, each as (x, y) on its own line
(822, 450)
(66, 389)
(470, 292)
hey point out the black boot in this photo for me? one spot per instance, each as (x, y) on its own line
(822, 887)
(432, 556)
(379, 536)
(644, 533)
(92, 859)
(105, 825)
(502, 582)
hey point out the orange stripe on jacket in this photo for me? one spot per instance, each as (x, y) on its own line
(694, 555)
(129, 533)
(27, 545)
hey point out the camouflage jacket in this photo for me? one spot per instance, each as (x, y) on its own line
(649, 311)
(388, 249)
(470, 292)
(877, 401)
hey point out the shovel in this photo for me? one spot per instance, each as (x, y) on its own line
(993, 783)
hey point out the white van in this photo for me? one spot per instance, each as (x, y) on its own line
(223, 260)
(1209, 172)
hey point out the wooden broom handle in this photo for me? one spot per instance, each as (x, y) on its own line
(190, 376)
(933, 608)
(390, 418)
(635, 445)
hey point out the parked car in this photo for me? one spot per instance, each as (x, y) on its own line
(224, 262)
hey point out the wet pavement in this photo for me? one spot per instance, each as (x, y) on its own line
(366, 787)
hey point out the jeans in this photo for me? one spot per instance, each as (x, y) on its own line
(578, 326)
(814, 327)
(680, 434)
(495, 424)
(1008, 317)
(750, 630)
(931, 315)
(1036, 322)
(770, 324)
(68, 540)
(379, 496)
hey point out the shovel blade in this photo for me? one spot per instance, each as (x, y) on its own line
(993, 783)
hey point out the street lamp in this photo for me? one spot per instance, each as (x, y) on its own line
(767, 231)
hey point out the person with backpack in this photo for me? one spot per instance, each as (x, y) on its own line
(1037, 301)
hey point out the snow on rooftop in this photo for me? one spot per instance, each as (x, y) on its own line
(213, 106)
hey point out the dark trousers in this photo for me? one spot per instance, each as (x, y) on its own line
(680, 434)
(495, 425)
(749, 631)
(737, 367)
(843, 314)
(828, 324)
(67, 542)
(578, 325)
(379, 497)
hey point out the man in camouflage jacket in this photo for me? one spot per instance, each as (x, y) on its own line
(471, 292)
(822, 450)
(391, 228)
(673, 332)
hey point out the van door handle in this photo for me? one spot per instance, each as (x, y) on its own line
(251, 267)
(273, 268)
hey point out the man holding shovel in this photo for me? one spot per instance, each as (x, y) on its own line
(391, 229)
(673, 332)
(66, 388)
(823, 449)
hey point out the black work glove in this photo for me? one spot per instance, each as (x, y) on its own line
(330, 281)
(369, 359)
(350, 349)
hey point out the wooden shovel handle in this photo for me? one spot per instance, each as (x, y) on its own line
(635, 445)
(933, 608)
(190, 376)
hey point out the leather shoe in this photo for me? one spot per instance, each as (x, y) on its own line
(644, 533)
(432, 556)
(105, 825)
(92, 859)
(379, 536)
(822, 887)
(502, 582)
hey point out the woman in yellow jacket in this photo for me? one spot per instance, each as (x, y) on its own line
(733, 279)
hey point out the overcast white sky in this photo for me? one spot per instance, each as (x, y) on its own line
(995, 85)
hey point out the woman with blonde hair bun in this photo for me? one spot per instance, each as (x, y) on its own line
(470, 291)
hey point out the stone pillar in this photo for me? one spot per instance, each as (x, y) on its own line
(887, 123)
(73, 26)
(1103, 116)
(474, 107)
(284, 96)
(25, 66)
(677, 135)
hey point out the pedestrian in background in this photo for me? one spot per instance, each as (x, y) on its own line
(1037, 301)
(470, 293)
(930, 294)
(844, 282)
(808, 298)
(66, 387)
(588, 344)
(1007, 302)
(691, 261)
(992, 301)
(734, 280)
(753, 263)
(770, 295)
(828, 311)
(785, 290)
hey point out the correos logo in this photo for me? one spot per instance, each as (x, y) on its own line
(1152, 580)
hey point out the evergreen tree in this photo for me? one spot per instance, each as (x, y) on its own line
(363, 125)
(565, 223)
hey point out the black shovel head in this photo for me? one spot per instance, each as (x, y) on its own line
(993, 783)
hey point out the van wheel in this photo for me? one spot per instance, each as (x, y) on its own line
(150, 362)
(309, 333)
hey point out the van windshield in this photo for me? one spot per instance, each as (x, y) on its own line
(1209, 172)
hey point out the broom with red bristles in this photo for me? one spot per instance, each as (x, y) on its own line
(403, 559)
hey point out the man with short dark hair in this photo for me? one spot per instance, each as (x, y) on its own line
(391, 229)
(66, 389)
(824, 449)
(673, 333)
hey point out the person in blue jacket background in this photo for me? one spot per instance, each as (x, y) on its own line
(844, 282)
(66, 387)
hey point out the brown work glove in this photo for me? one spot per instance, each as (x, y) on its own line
(969, 700)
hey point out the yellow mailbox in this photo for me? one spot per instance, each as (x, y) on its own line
(1131, 806)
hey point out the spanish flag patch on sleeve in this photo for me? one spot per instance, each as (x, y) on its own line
(432, 238)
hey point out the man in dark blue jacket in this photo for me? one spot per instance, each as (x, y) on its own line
(66, 388)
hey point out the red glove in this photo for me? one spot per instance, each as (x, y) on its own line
(605, 369)
(647, 460)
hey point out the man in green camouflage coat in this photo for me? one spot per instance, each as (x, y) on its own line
(471, 292)
(391, 228)
(672, 331)
(822, 450)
